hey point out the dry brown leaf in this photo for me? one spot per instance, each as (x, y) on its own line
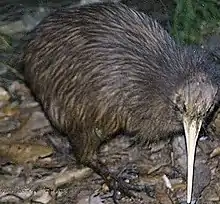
(63, 178)
(215, 152)
(156, 168)
(10, 110)
(21, 153)
(4, 96)
(163, 198)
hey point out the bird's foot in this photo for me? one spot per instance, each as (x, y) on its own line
(122, 184)
(121, 188)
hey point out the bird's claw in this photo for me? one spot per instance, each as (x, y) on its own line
(121, 187)
(121, 184)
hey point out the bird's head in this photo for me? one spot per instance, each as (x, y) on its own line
(194, 99)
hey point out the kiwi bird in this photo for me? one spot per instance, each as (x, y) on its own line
(107, 68)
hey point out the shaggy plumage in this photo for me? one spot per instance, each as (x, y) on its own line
(110, 69)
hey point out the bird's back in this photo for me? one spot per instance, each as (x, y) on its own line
(104, 66)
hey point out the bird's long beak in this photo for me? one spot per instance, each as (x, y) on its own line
(191, 128)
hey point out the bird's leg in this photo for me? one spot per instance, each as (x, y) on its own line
(115, 181)
(88, 157)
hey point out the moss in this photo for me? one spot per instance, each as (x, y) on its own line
(193, 20)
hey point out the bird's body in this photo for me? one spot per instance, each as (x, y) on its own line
(107, 68)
